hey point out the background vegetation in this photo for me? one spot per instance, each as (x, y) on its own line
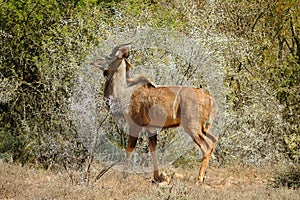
(44, 43)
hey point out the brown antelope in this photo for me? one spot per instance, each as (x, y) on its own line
(144, 105)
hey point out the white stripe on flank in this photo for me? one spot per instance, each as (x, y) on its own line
(174, 104)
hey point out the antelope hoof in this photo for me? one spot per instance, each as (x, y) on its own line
(125, 175)
(201, 180)
(155, 181)
(161, 178)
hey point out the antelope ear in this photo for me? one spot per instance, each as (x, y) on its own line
(129, 66)
(123, 52)
(100, 63)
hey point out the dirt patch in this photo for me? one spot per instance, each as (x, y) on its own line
(233, 182)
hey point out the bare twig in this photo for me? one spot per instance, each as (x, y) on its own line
(105, 170)
(91, 157)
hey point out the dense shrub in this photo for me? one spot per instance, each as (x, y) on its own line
(288, 178)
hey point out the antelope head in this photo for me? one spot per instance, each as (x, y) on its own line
(110, 64)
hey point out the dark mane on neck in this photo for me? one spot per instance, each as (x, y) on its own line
(142, 80)
(107, 88)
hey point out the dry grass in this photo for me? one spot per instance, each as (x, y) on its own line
(233, 182)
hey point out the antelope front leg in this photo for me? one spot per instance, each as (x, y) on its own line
(130, 147)
(152, 146)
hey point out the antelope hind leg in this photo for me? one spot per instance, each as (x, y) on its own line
(204, 166)
(205, 160)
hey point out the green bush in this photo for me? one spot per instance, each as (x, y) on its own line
(43, 47)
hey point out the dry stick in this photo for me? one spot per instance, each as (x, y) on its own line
(69, 173)
(91, 159)
(104, 171)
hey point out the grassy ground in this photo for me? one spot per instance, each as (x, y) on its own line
(232, 182)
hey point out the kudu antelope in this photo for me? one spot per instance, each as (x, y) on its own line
(144, 105)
